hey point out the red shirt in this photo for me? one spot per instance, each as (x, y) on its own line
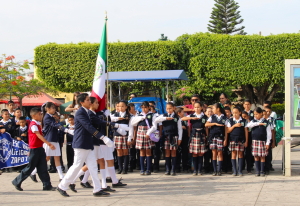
(189, 106)
(34, 141)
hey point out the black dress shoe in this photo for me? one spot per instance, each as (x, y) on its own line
(62, 192)
(119, 171)
(167, 173)
(72, 187)
(86, 185)
(108, 189)
(33, 177)
(119, 184)
(108, 180)
(18, 187)
(49, 188)
(101, 194)
(81, 177)
(52, 171)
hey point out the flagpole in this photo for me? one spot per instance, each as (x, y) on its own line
(106, 70)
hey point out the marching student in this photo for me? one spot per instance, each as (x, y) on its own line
(248, 153)
(172, 128)
(145, 126)
(37, 155)
(7, 123)
(269, 157)
(261, 138)
(11, 106)
(182, 154)
(236, 126)
(216, 135)
(83, 148)
(198, 139)
(247, 106)
(122, 117)
(69, 149)
(50, 131)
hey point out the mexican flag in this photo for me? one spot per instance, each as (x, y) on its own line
(98, 89)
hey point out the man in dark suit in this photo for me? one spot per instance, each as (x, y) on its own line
(84, 149)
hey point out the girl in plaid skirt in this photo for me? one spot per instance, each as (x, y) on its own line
(172, 128)
(142, 136)
(261, 138)
(122, 117)
(216, 135)
(198, 139)
(238, 137)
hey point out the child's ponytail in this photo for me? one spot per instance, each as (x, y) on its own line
(44, 110)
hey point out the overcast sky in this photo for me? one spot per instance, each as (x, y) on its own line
(26, 24)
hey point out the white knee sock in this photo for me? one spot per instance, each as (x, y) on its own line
(60, 173)
(106, 169)
(33, 172)
(86, 177)
(103, 178)
(113, 176)
(81, 172)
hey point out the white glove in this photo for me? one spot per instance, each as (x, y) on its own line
(107, 141)
(71, 132)
(121, 131)
(123, 127)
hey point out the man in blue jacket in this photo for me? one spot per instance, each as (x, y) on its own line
(84, 149)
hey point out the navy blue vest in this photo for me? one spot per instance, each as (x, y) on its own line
(217, 131)
(238, 133)
(259, 132)
(251, 114)
(124, 121)
(19, 133)
(9, 127)
(185, 133)
(198, 124)
(170, 127)
(149, 118)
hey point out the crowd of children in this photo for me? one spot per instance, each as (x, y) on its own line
(195, 138)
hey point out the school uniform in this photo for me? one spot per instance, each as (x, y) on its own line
(37, 158)
(50, 132)
(84, 152)
(21, 130)
(173, 132)
(134, 155)
(261, 136)
(248, 153)
(216, 138)
(11, 114)
(9, 126)
(250, 114)
(119, 139)
(182, 154)
(69, 149)
(142, 121)
(270, 155)
(156, 150)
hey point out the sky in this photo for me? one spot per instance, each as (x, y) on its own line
(28, 24)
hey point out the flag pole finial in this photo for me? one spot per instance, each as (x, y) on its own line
(105, 15)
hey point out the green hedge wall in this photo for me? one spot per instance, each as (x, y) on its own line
(71, 67)
(279, 109)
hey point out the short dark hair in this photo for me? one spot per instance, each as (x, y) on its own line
(71, 116)
(238, 108)
(34, 111)
(170, 103)
(247, 100)
(10, 102)
(227, 102)
(225, 95)
(200, 103)
(18, 109)
(152, 106)
(145, 104)
(178, 110)
(81, 98)
(246, 113)
(152, 102)
(4, 110)
(186, 97)
(268, 102)
(22, 118)
(227, 108)
(268, 107)
(93, 99)
(131, 105)
(195, 95)
(258, 110)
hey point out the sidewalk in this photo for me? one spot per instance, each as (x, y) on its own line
(183, 189)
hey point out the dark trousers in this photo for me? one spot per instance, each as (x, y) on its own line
(132, 157)
(248, 154)
(208, 160)
(156, 155)
(269, 157)
(138, 163)
(37, 159)
(182, 154)
(227, 166)
(70, 155)
(52, 162)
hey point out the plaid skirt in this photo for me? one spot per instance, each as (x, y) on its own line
(236, 146)
(141, 141)
(168, 144)
(196, 147)
(259, 148)
(216, 144)
(121, 142)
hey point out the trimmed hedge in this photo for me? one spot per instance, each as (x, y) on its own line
(279, 109)
(71, 67)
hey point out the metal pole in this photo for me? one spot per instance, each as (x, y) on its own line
(173, 92)
(167, 91)
(119, 91)
(110, 97)
(106, 68)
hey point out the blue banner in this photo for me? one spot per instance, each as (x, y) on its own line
(13, 153)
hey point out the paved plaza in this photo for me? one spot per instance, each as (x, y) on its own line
(183, 189)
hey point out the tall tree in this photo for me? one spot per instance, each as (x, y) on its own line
(12, 80)
(225, 17)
